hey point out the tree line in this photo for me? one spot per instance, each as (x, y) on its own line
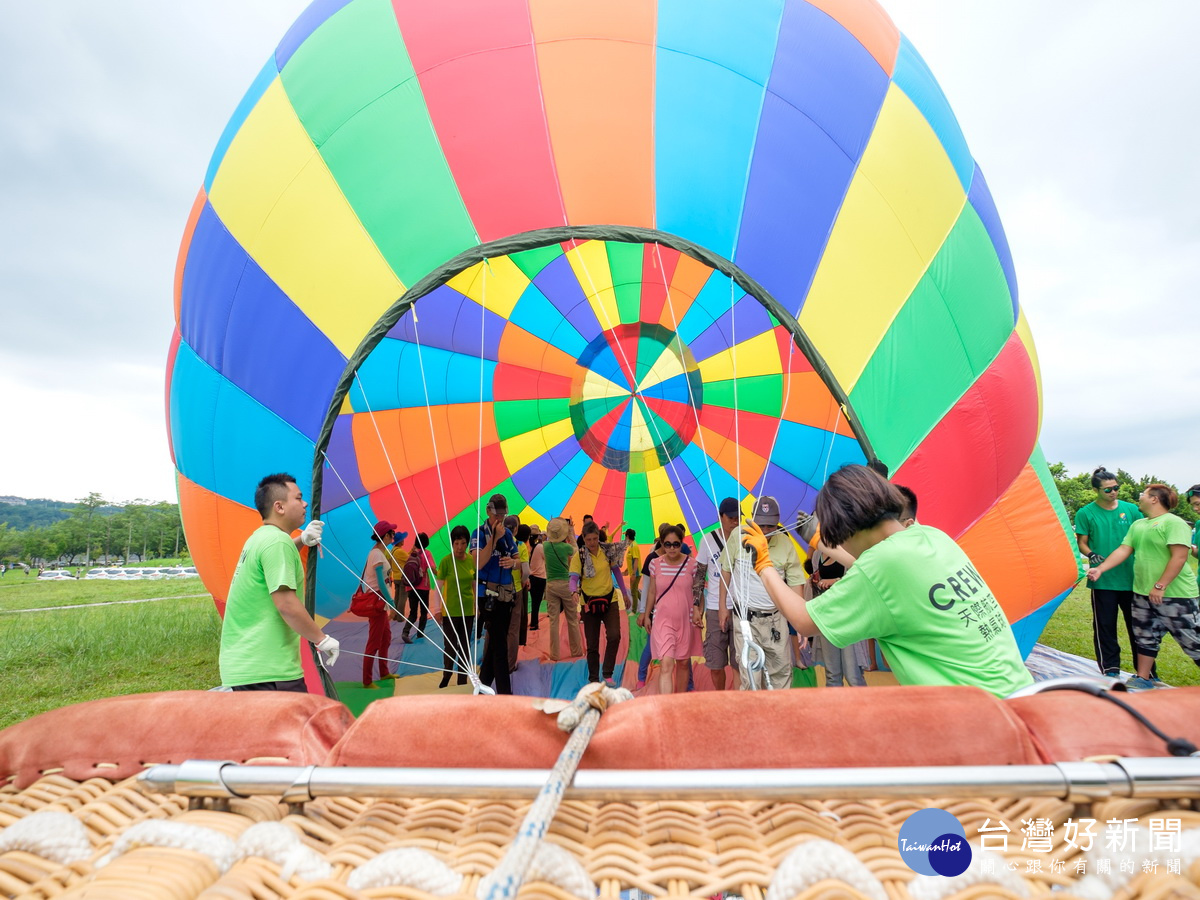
(1077, 492)
(95, 530)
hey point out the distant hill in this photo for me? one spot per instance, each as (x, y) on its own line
(20, 513)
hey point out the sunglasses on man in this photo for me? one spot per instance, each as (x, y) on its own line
(1111, 490)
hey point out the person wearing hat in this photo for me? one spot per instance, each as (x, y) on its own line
(752, 604)
(265, 618)
(397, 556)
(556, 554)
(495, 551)
(718, 646)
(376, 581)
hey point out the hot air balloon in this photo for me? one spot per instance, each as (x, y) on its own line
(623, 258)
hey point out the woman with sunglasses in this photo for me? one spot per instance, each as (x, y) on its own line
(1099, 529)
(670, 594)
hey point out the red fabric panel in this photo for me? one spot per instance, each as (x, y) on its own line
(117, 737)
(467, 54)
(458, 480)
(513, 382)
(655, 279)
(979, 447)
(610, 505)
(1069, 725)
(886, 726)
(752, 431)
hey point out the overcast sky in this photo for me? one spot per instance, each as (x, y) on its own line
(1081, 114)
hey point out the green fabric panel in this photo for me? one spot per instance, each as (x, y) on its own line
(625, 266)
(554, 409)
(648, 352)
(761, 394)
(637, 501)
(514, 417)
(353, 87)
(439, 541)
(804, 678)
(592, 411)
(531, 262)
(1042, 469)
(945, 336)
(638, 639)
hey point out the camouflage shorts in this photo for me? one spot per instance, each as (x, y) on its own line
(1178, 616)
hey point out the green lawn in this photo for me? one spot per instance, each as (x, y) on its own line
(1070, 630)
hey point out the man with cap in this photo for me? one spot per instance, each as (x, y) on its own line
(707, 585)
(754, 613)
(495, 550)
(557, 553)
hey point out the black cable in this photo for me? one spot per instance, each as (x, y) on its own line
(1175, 746)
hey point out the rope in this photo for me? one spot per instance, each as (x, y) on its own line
(57, 836)
(406, 867)
(817, 860)
(937, 887)
(580, 719)
(281, 845)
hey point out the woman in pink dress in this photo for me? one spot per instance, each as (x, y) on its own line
(674, 640)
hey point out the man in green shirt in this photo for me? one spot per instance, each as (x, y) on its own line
(1099, 529)
(912, 589)
(1164, 585)
(264, 615)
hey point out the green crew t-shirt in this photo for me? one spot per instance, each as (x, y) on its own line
(459, 575)
(256, 643)
(1105, 529)
(558, 560)
(1151, 540)
(935, 618)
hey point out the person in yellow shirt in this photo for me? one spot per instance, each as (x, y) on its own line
(633, 567)
(593, 571)
(396, 557)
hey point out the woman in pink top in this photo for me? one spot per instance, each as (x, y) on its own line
(376, 580)
(674, 639)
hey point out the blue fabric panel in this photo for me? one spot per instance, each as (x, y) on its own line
(533, 678)
(1029, 629)
(713, 301)
(344, 541)
(692, 489)
(914, 78)
(675, 389)
(619, 439)
(447, 319)
(812, 453)
(263, 321)
(228, 441)
(257, 88)
(341, 456)
(542, 319)
(710, 476)
(602, 358)
(711, 68)
(558, 283)
(981, 201)
(532, 479)
(792, 493)
(214, 267)
(310, 20)
(554, 496)
(392, 377)
(747, 319)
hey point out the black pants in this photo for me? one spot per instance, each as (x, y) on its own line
(1105, 606)
(457, 633)
(418, 611)
(296, 686)
(537, 590)
(591, 635)
(495, 647)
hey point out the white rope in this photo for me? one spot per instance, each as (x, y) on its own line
(279, 844)
(514, 868)
(179, 835)
(406, 867)
(817, 860)
(937, 887)
(553, 865)
(56, 836)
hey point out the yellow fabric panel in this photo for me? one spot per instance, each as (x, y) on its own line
(589, 261)
(664, 504)
(530, 516)
(496, 284)
(903, 201)
(667, 366)
(523, 449)
(1027, 339)
(757, 356)
(597, 387)
(639, 432)
(276, 196)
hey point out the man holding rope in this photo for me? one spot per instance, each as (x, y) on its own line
(264, 615)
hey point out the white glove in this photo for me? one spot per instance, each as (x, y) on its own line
(311, 536)
(331, 648)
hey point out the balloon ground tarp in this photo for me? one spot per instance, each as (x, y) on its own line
(623, 258)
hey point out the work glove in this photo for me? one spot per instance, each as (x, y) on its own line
(331, 648)
(1094, 559)
(806, 527)
(755, 543)
(311, 535)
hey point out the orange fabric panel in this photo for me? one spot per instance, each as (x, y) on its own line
(807, 400)
(1019, 549)
(216, 528)
(689, 277)
(410, 436)
(87, 740)
(587, 495)
(867, 21)
(596, 62)
(520, 348)
(188, 230)
(729, 456)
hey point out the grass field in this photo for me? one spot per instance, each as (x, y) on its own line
(61, 656)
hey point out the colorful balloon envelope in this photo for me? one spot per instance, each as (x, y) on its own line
(617, 257)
